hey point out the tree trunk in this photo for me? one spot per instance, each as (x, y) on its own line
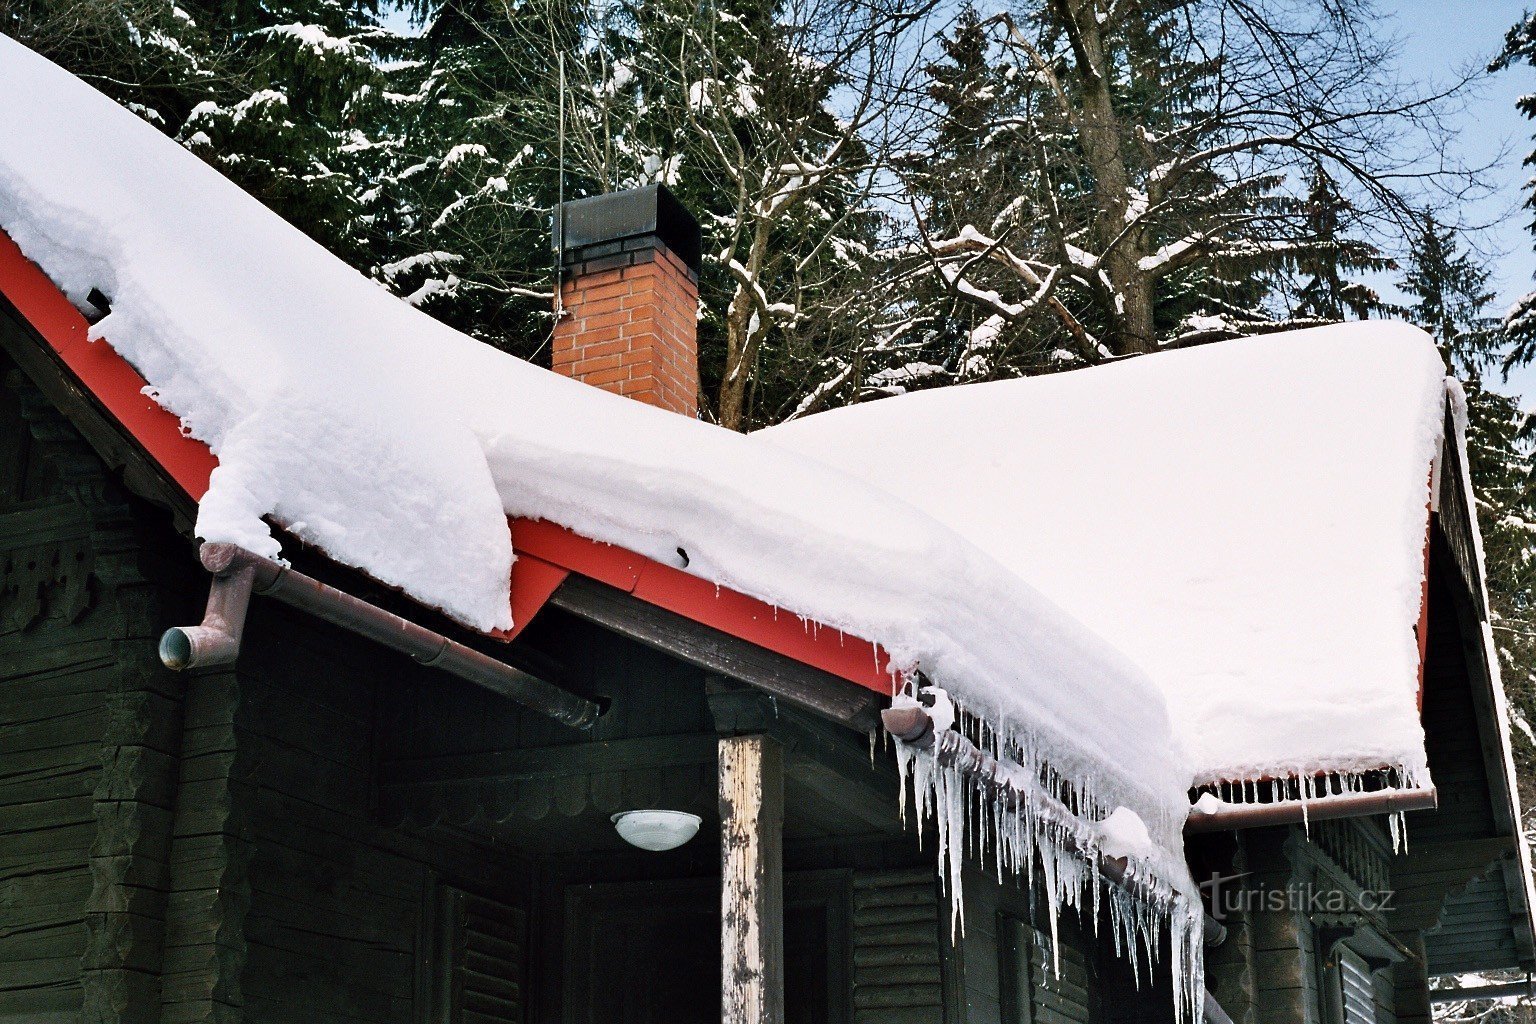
(739, 345)
(1132, 307)
(1128, 291)
(744, 329)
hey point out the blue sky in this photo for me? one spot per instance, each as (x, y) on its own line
(1437, 38)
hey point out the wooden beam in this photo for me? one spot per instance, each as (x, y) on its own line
(751, 880)
(529, 763)
(719, 652)
(830, 762)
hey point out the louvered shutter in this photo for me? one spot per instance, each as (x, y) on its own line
(897, 978)
(1046, 989)
(1356, 989)
(480, 960)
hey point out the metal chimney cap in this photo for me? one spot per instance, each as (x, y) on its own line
(650, 211)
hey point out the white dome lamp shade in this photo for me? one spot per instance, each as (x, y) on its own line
(657, 830)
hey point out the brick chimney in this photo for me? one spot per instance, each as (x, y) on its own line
(630, 286)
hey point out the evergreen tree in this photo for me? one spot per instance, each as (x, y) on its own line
(730, 107)
(276, 95)
(1151, 196)
(1450, 299)
(962, 181)
(1520, 320)
(1327, 293)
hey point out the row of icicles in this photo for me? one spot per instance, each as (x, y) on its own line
(1045, 825)
(1029, 830)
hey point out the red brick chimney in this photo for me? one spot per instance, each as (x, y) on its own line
(630, 288)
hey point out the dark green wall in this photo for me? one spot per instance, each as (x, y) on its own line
(89, 729)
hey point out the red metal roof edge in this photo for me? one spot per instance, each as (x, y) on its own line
(104, 373)
(546, 553)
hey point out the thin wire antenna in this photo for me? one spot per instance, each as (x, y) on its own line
(560, 201)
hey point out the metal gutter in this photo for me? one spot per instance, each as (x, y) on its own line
(1323, 808)
(237, 573)
(913, 726)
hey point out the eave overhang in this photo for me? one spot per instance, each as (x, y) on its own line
(89, 380)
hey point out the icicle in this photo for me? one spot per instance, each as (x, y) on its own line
(1027, 817)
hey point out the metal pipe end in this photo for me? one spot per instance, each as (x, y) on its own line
(217, 558)
(1215, 933)
(911, 725)
(184, 647)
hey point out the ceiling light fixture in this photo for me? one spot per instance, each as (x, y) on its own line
(657, 830)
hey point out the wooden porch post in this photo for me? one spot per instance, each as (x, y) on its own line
(751, 880)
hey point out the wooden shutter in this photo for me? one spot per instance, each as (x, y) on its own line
(897, 978)
(1357, 989)
(479, 960)
(1041, 988)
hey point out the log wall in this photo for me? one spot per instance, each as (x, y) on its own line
(89, 730)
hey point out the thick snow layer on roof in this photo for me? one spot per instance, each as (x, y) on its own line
(398, 445)
(1246, 521)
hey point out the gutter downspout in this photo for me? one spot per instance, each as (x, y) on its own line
(237, 573)
(1323, 808)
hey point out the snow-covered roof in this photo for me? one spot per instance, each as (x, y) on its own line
(400, 446)
(1245, 521)
(1241, 527)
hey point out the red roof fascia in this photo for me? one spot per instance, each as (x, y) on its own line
(546, 553)
(757, 622)
(103, 372)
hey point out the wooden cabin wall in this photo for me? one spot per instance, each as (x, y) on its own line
(200, 846)
(1284, 955)
(1008, 967)
(336, 914)
(89, 729)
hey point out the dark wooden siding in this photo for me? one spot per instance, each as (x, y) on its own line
(336, 901)
(89, 730)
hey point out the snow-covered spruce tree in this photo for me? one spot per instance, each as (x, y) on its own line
(1323, 289)
(1158, 144)
(1520, 320)
(755, 113)
(274, 95)
(1450, 298)
(460, 206)
(970, 171)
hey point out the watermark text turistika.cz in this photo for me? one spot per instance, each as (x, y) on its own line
(1228, 894)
